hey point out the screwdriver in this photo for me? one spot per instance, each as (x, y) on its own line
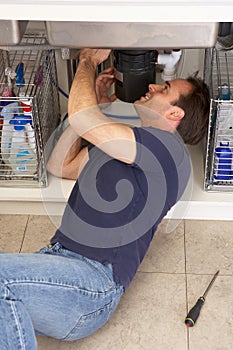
(193, 314)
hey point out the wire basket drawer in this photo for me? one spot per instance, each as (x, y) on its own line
(219, 149)
(219, 156)
(29, 111)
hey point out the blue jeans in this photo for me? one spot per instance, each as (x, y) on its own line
(53, 292)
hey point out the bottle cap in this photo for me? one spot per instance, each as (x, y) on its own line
(25, 102)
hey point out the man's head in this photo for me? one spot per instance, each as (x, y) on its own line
(183, 102)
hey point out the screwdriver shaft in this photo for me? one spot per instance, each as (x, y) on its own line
(211, 282)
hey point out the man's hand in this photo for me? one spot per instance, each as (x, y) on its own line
(103, 82)
(96, 56)
(105, 78)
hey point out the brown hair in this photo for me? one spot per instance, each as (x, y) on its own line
(196, 106)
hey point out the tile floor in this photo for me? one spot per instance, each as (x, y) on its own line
(175, 272)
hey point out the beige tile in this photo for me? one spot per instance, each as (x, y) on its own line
(166, 252)
(213, 329)
(46, 343)
(12, 228)
(150, 316)
(209, 247)
(39, 231)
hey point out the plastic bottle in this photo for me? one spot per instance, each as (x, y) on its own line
(225, 93)
(224, 155)
(22, 157)
(7, 113)
(223, 110)
(38, 81)
(27, 110)
(20, 75)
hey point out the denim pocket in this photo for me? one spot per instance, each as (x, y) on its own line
(89, 323)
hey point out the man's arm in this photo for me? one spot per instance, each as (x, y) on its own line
(87, 120)
(67, 158)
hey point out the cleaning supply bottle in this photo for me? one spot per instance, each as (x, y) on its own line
(39, 76)
(22, 158)
(8, 90)
(20, 82)
(225, 93)
(26, 103)
(7, 113)
(224, 156)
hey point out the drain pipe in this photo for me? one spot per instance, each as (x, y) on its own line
(169, 61)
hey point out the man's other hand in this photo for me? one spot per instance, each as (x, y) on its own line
(103, 83)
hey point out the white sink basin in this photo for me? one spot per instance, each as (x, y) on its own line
(12, 31)
(132, 35)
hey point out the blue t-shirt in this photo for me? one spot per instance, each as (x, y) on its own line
(114, 208)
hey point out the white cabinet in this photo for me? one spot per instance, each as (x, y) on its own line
(136, 16)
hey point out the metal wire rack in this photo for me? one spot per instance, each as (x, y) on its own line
(219, 148)
(29, 111)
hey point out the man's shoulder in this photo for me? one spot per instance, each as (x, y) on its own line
(152, 133)
(162, 143)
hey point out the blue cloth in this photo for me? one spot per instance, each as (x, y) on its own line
(115, 208)
(53, 292)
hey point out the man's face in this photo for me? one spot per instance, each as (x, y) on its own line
(160, 97)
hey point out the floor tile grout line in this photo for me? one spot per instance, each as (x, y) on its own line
(24, 234)
(162, 272)
(183, 273)
(186, 282)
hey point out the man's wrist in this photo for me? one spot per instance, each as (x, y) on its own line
(86, 62)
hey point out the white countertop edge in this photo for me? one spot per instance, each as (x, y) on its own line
(201, 210)
(191, 211)
(118, 12)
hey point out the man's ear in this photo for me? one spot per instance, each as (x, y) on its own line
(175, 113)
